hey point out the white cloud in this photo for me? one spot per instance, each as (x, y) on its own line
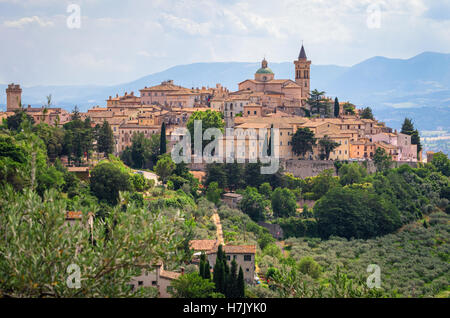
(185, 25)
(118, 42)
(27, 20)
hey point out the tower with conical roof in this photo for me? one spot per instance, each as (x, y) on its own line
(302, 72)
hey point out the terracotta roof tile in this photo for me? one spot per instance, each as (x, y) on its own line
(202, 245)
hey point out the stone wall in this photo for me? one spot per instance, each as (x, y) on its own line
(311, 168)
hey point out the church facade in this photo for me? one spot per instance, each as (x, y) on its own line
(271, 94)
(287, 90)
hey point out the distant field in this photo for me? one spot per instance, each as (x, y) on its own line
(436, 140)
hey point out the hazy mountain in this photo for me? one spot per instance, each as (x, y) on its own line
(418, 87)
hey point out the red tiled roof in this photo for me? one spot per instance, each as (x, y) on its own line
(169, 274)
(202, 245)
(237, 249)
(74, 215)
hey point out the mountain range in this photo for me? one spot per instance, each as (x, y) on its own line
(418, 87)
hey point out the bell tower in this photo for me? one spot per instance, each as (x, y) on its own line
(302, 72)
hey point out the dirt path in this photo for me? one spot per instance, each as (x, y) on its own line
(219, 231)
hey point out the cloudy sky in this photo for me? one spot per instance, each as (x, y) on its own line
(118, 41)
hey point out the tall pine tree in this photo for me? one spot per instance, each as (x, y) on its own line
(408, 129)
(105, 139)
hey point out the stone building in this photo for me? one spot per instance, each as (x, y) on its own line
(244, 255)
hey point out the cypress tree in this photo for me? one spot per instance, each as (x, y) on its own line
(232, 281)
(269, 146)
(240, 284)
(207, 270)
(219, 277)
(219, 253)
(336, 107)
(202, 265)
(163, 143)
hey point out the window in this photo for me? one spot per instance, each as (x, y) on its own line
(247, 258)
(154, 283)
(247, 269)
(228, 257)
(140, 283)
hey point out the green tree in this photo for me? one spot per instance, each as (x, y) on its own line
(213, 193)
(252, 174)
(78, 139)
(207, 270)
(107, 180)
(37, 243)
(14, 122)
(219, 274)
(14, 160)
(105, 139)
(266, 190)
(349, 109)
(336, 107)
(441, 163)
(232, 282)
(327, 145)
(234, 175)
(408, 129)
(355, 213)
(215, 172)
(143, 153)
(53, 138)
(201, 266)
(209, 119)
(253, 204)
(303, 141)
(192, 285)
(283, 202)
(366, 113)
(323, 182)
(382, 160)
(163, 141)
(240, 284)
(316, 101)
(309, 266)
(351, 173)
(164, 168)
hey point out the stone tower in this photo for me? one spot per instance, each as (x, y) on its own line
(13, 97)
(302, 72)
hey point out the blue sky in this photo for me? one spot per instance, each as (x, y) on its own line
(119, 41)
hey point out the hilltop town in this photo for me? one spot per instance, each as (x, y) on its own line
(262, 102)
(103, 187)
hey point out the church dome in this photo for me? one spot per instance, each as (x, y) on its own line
(265, 70)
